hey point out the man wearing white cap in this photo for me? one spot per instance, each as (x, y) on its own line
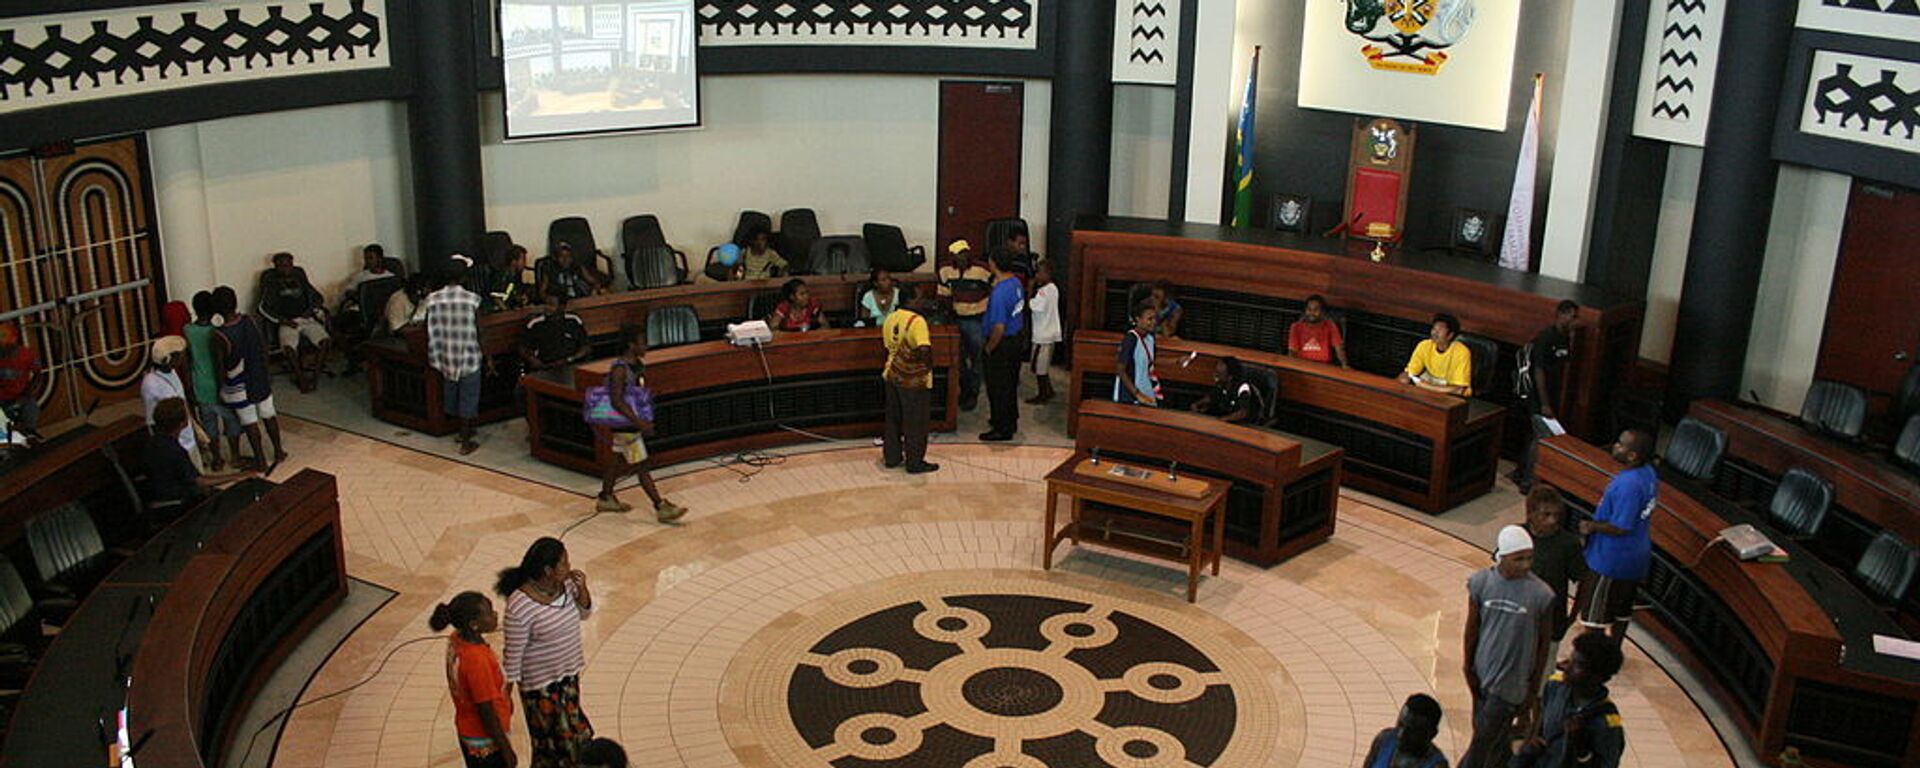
(1509, 622)
(162, 382)
(965, 281)
(453, 347)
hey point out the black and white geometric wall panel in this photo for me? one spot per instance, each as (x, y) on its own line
(1146, 41)
(1677, 70)
(1863, 99)
(1005, 24)
(1890, 19)
(67, 58)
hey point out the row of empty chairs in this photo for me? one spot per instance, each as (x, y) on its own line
(69, 558)
(1841, 409)
(1800, 506)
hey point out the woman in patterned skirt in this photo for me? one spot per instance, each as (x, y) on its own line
(546, 601)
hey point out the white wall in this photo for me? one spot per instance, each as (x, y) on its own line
(1142, 158)
(1219, 76)
(856, 149)
(1803, 245)
(319, 183)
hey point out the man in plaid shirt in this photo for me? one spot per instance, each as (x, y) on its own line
(453, 346)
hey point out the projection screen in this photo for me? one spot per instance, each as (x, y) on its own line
(578, 67)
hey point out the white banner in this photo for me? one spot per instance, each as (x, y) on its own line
(72, 57)
(1676, 70)
(1146, 41)
(1441, 61)
(1863, 99)
(1891, 19)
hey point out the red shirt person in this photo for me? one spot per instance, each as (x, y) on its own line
(19, 368)
(1314, 337)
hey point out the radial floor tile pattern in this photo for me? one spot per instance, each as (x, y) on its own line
(827, 613)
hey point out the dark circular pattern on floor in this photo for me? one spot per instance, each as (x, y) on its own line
(943, 681)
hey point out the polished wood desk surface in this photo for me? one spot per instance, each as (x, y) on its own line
(65, 468)
(1067, 480)
(708, 363)
(1253, 450)
(1863, 484)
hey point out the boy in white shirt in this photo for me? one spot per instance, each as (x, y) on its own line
(1045, 306)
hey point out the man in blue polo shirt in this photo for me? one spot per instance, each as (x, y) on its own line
(1619, 542)
(1005, 324)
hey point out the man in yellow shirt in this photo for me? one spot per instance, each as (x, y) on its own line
(909, 386)
(1439, 364)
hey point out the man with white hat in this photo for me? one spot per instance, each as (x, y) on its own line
(163, 381)
(1509, 621)
(965, 281)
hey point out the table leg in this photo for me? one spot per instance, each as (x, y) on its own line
(1219, 534)
(1047, 541)
(1073, 533)
(1195, 556)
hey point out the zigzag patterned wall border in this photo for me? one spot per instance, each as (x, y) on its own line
(1677, 70)
(1009, 24)
(1889, 19)
(1863, 99)
(66, 58)
(1146, 41)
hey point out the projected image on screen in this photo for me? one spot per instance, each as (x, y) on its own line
(578, 67)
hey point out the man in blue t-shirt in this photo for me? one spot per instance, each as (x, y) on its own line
(1005, 327)
(1619, 541)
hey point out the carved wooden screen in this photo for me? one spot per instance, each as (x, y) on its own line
(79, 267)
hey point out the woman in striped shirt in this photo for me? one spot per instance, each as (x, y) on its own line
(546, 600)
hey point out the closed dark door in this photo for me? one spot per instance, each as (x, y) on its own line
(1873, 333)
(979, 159)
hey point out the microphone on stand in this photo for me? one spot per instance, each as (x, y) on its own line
(1096, 456)
(1170, 468)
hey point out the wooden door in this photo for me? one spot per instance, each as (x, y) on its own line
(980, 126)
(1872, 334)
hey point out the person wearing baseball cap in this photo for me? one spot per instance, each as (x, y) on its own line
(1509, 622)
(965, 280)
(162, 381)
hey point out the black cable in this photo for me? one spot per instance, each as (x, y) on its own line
(296, 705)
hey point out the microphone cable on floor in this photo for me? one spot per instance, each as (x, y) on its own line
(296, 705)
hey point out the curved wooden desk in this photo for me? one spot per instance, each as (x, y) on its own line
(713, 398)
(92, 465)
(406, 391)
(1424, 449)
(1244, 287)
(1286, 488)
(1787, 646)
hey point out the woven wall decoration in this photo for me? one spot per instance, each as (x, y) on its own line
(67, 58)
(1146, 41)
(1677, 70)
(1863, 99)
(1009, 24)
(1889, 19)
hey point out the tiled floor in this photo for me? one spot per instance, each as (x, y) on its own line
(701, 626)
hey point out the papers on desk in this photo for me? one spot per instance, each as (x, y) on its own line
(1553, 426)
(1893, 646)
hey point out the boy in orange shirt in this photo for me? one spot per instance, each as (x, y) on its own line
(481, 709)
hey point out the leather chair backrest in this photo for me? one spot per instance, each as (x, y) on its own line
(887, 248)
(653, 267)
(1906, 399)
(750, 221)
(641, 231)
(372, 297)
(762, 305)
(576, 233)
(1801, 502)
(16, 605)
(1835, 407)
(1696, 449)
(1887, 567)
(63, 540)
(824, 262)
(493, 249)
(998, 230)
(1906, 447)
(1485, 356)
(1268, 383)
(798, 229)
(668, 326)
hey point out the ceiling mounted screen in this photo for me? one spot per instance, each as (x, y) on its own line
(580, 67)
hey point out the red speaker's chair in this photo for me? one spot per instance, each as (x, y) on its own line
(1379, 171)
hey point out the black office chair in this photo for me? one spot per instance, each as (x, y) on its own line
(798, 229)
(1696, 449)
(1801, 502)
(998, 230)
(1266, 383)
(1485, 355)
(655, 267)
(1906, 399)
(887, 248)
(750, 221)
(1840, 409)
(1886, 569)
(826, 260)
(20, 637)
(67, 551)
(370, 299)
(494, 249)
(578, 234)
(1906, 447)
(670, 326)
(761, 305)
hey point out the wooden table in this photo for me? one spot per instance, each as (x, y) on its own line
(1209, 500)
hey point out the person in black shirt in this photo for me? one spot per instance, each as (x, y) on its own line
(1543, 381)
(554, 339)
(1559, 557)
(1233, 398)
(173, 485)
(291, 306)
(563, 276)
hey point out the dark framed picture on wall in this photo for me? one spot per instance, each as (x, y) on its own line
(1475, 230)
(1290, 212)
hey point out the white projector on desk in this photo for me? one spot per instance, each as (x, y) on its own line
(751, 333)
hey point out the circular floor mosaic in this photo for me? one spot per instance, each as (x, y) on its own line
(976, 675)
